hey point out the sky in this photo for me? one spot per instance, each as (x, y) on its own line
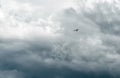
(37, 39)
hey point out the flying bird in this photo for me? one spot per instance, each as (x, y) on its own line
(76, 30)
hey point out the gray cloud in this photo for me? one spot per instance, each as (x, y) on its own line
(10, 74)
(34, 45)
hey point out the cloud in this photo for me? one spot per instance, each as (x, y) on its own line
(10, 74)
(37, 39)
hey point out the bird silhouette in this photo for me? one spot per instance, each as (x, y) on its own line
(76, 30)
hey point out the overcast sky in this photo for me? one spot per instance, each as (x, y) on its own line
(37, 39)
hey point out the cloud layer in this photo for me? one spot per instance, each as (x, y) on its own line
(37, 39)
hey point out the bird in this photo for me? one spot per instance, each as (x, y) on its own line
(76, 30)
